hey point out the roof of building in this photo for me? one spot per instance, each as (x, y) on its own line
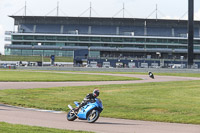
(101, 21)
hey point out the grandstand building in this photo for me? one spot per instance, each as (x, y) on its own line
(118, 42)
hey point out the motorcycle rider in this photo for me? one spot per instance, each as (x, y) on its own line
(89, 98)
(151, 75)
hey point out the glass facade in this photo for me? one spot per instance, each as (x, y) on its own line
(102, 39)
(7, 51)
(16, 52)
(137, 42)
(94, 54)
(38, 52)
(98, 41)
(26, 52)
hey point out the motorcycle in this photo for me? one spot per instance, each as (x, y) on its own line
(90, 112)
(151, 75)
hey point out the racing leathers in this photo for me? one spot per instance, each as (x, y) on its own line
(88, 98)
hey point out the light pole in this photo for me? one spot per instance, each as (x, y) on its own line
(190, 32)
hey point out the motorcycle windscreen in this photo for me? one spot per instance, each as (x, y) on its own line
(76, 103)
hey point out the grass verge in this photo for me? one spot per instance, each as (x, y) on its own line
(155, 73)
(16, 128)
(25, 76)
(177, 102)
(140, 73)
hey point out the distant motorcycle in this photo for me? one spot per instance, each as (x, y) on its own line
(89, 112)
(151, 75)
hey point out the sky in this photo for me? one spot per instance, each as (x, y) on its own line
(167, 9)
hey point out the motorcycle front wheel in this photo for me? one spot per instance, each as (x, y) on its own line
(93, 116)
(71, 116)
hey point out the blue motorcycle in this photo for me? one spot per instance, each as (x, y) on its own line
(91, 111)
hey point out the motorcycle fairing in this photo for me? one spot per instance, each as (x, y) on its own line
(85, 109)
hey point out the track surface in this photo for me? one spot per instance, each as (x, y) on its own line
(28, 85)
(103, 125)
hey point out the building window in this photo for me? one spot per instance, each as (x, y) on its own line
(151, 40)
(117, 39)
(141, 40)
(129, 40)
(17, 37)
(96, 39)
(182, 41)
(26, 52)
(7, 51)
(173, 41)
(16, 51)
(106, 39)
(49, 52)
(196, 41)
(28, 37)
(50, 38)
(64, 53)
(60, 44)
(61, 38)
(39, 38)
(50, 43)
(197, 47)
(72, 38)
(162, 41)
(94, 53)
(38, 52)
(83, 38)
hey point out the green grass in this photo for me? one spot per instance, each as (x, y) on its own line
(27, 76)
(33, 58)
(179, 74)
(155, 73)
(16, 128)
(177, 102)
(140, 73)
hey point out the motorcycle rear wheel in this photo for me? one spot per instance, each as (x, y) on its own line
(93, 116)
(71, 116)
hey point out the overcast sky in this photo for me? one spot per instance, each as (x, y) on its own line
(170, 9)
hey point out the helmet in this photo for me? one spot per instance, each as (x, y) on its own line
(96, 93)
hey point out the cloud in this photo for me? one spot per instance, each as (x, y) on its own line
(185, 17)
(197, 15)
(1, 39)
(170, 17)
(1, 29)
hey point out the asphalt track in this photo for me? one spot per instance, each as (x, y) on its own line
(29, 85)
(51, 119)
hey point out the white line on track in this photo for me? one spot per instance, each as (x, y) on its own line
(32, 109)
